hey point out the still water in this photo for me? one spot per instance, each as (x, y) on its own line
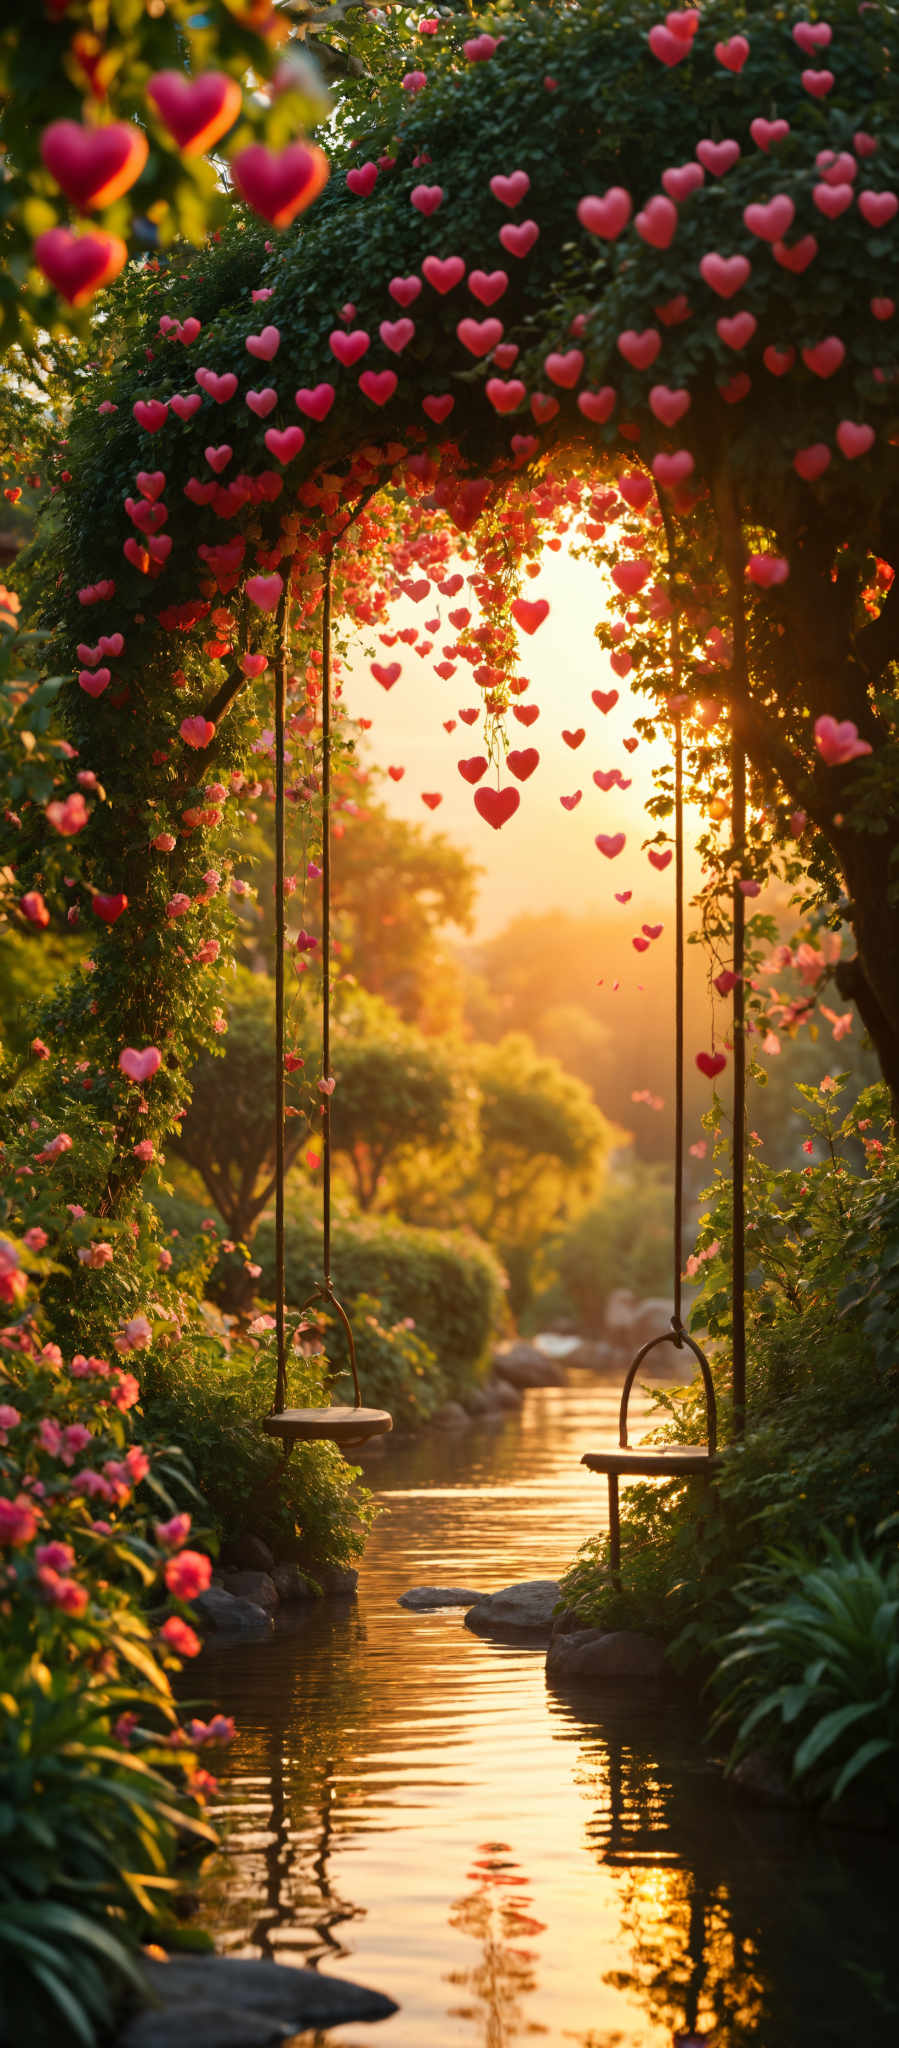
(409, 1806)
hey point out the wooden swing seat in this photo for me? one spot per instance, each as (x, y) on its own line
(674, 1461)
(665, 1462)
(343, 1426)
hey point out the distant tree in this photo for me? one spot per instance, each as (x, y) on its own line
(228, 1134)
(397, 1095)
(396, 888)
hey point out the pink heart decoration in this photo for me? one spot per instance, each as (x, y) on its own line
(378, 385)
(544, 407)
(629, 577)
(606, 216)
(151, 414)
(148, 518)
(682, 179)
(522, 761)
(79, 265)
(427, 198)
(510, 191)
(811, 462)
(660, 859)
(496, 805)
(94, 681)
(196, 111)
(737, 329)
(265, 591)
(197, 732)
(818, 83)
(404, 289)
(262, 402)
(674, 468)
(279, 183)
(836, 170)
(348, 347)
(570, 803)
(564, 368)
(832, 200)
(657, 224)
(621, 663)
(94, 166)
(529, 613)
(253, 664)
(883, 309)
(878, 208)
(189, 330)
(725, 981)
(826, 357)
(610, 843)
(854, 439)
(797, 258)
(725, 275)
(488, 285)
(765, 133)
(669, 406)
(733, 53)
(653, 931)
(284, 443)
(767, 570)
(140, 1065)
(640, 945)
(443, 272)
(778, 360)
(711, 1064)
(519, 241)
(317, 403)
(773, 221)
(386, 674)
(717, 157)
(186, 404)
(89, 655)
(219, 458)
(438, 409)
(639, 349)
(812, 35)
(362, 179)
(668, 48)
(264, 346)
(479, 336)
(112, 643)
(150, 482)
(597, 406)
(396, 334)
(623, 895)
(218, 388)
(505, 397)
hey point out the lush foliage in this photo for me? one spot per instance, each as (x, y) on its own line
(819, 1659)
(821, 1452)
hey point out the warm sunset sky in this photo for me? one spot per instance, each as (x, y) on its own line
(544, 857)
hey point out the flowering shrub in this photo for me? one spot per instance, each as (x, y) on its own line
(100, 1783)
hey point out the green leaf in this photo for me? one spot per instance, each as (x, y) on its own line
(828, 1731)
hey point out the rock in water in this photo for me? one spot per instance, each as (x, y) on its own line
(227, 1615)
(422, 1599)
(517, 1613)
(616, 1656)
(225, 2002)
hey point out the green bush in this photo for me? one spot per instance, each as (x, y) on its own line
(821, 1451)
(622, 1241)
(816, 1669)
(212, 1404)
(450, 1285)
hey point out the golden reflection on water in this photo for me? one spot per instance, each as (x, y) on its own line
(410, 1807)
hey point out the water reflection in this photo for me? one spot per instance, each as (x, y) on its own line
(410, 1806)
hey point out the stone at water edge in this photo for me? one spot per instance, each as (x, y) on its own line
(525, 1610)
(291, 1583)
(425, 1599)
(524, 1366)
(258, 1587)
(618, 1656)
(208, 1999)
(451, 1416)
(224, 1614)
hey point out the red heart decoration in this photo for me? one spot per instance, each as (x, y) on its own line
(610, 843)
(196, 111)
(473, 769)
(386, 675)
(94, 166)
(605, 700)
(279, 183)
(630, 744)
(522, 762)
(574, 739)
(396, 774)
(432, 798)
(570, 803)
(660, 860)
(624, 896)
(525, 713)
(496, 805)
(469, 715)
(78, 265)
(711, 1063)
(529, 614)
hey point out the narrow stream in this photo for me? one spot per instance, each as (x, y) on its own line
(409, 1806)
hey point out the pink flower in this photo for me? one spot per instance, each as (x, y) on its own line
(50, 1355)
(13, 1282)
(212, 878)
(35, 1238)
(75, 1437)
(64, 1593)
(136, 1336)
(125, 1391)
(124, 1729)
(842, 1025)
(55, 1557)
(39, 1050)
(220, 1729)
(837, 741)
(145, 1150)
(137, 1462)
(117, 1480)
(96, 1255)
(177, 904)
(91, 1484)
(18, 1521)
(164, 842)
(170, 1535)
(9, 1417)
(61, 1143)
(50, 1436)
(88, 1368)
(208, 952)
(69, 817)
(164, 1259)
(188, 1574)
(181, 1637)
(203, 1785)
